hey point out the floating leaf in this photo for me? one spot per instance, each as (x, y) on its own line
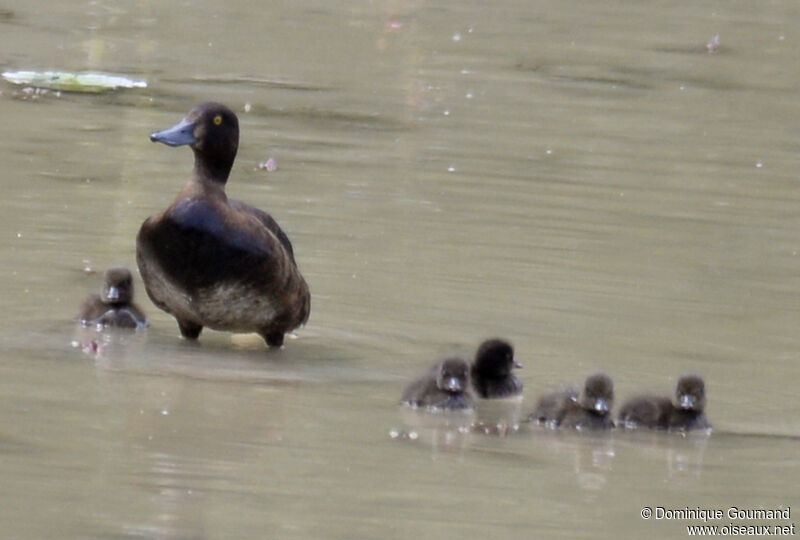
(65, 81)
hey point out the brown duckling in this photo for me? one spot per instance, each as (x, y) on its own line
(114, 305)
(446, 385)
(591, 409)
(491, 371)
(686, 413)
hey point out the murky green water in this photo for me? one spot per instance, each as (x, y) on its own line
(582, 178)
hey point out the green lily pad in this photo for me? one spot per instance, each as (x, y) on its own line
(87, 82)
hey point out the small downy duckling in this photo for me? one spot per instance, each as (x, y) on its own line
(491, 371)
(446, 385)
(660, 412)
(588, 410)
(114, 305)
(212, 261)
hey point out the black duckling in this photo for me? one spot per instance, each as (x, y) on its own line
(114, 305)
(588, 410)
(213, 261)
(686, 413)
(491, 371)
(445, 386)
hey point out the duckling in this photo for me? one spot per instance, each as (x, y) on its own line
(114, 305)
(491, 370)
(588, 410)
(446, 385)
(660, 412)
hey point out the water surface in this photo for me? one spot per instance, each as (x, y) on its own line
(584, 179)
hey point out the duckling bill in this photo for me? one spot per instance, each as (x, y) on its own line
(114, 306)
(212, 261)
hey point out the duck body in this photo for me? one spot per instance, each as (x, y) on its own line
(217, 262)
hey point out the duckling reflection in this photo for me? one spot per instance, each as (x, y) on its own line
(685, 454)
(112, 348)
(682, 453)
(591, 453)
(447, 431)
(498, 416)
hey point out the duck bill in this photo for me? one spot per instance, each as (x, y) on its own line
(687, 402)
(453, 384)
(601, 406)
(178, 135)
(113, 294)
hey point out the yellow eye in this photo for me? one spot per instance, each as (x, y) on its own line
(217, 120)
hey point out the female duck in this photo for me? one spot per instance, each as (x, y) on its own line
(213, 261)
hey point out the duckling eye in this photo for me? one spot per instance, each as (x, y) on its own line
(217, 120)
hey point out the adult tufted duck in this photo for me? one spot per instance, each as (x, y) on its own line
(491, 370)
(213, 261)
(445, 386)
(686, 413)
(114, 305)
(588, 410)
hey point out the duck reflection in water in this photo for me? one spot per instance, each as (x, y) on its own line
(590, 454)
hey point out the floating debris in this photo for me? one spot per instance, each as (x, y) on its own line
(30, 93)
(91, 347)
(269, 165)
(404, 435)
(88, 82)
(393, 26)
(713, 44)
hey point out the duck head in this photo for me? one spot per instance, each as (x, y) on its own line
(598, 394)
(212, 131)
(494, 360)
(117, 286)
(453, 376)
(690, 395)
